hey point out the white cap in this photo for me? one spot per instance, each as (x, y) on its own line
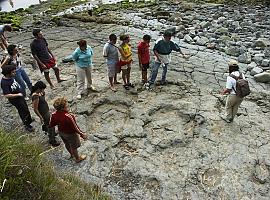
(232, 63)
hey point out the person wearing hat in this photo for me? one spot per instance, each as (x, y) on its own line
(44, 57)
(83, 60)
(233, 102)
(162, 50)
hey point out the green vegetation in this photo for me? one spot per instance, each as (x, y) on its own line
(26, 174)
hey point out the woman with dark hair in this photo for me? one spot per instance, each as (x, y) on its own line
(14, 58)
(126, 59)
(68, 129)
(41, 108)
(83, 60)
(12, 91)
(233, 101)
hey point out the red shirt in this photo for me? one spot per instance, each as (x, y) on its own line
(65, 121)
(143, 51)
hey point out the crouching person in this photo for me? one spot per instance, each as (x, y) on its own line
(68, 129)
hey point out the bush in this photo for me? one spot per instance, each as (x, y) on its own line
(26, 174)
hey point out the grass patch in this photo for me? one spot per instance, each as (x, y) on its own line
(26, 174)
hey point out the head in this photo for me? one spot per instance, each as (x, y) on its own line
(37, 33)
(167, 36)
(8, 28)
(9, 70)
(233, 66)
(12, 49)
(39, 86)
(113, 38)
(147, 38)
(124, 38)
(82, 44)
(60, 104)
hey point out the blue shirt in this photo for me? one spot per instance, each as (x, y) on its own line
(83, 58)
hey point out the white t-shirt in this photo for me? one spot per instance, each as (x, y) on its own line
(231, 82)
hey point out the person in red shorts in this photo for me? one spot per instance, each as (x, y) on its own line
(68, 129)
(44, 57)
(144, 56)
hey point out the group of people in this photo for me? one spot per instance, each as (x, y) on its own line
(15, 80)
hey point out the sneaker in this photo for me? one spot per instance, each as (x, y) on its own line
(147, 86)
(92, 88)
(79, 96)
(29, 128)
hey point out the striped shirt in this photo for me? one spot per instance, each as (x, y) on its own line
(66, 122)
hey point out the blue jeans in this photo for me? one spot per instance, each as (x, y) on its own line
(154, 72)
(21, 77)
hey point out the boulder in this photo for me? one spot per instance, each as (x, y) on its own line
(258, 58)
(222, 31)
(232, 51)
(262, 43)
(202, 41)
(267, 52)
(265, 63)
(263, 77)
(188, 39)
(256, 70)
(245, 58)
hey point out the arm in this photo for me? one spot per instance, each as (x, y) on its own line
(4, 40)
(35, 102)
(157, 55)
(41, 64)
(140, 57)
(50, 52)
(226, 91)
(75, 126)
(12, 96)
(6, 60)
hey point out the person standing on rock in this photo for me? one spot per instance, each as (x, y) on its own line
(83, 60)
(68, 129)
(125, 60)
(3, 30)
(233, 101)
(110, 52)
(12, 91)
(21, 77)
(41, 108)
(44, 57)
(144, 56)
(162, 50)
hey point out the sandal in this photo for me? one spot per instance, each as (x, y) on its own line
(126, 87)
(131, 85)
(81, 158)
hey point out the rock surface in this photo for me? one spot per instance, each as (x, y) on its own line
(168, 143)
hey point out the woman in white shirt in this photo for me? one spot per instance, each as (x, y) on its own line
(233, 102)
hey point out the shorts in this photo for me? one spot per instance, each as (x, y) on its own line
(49, 64)
(111, 70)
(145, 66)
(71, 139)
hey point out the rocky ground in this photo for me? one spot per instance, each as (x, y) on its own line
(168, 143)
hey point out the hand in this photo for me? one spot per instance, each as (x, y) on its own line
(20, 95)
(43, 66)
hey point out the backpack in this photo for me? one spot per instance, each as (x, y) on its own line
(242, 87)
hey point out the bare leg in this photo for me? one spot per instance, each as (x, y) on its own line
(48, 79)
(69, 149)
(128, 74)
(144, 76)
(124, 76)
(57, 74)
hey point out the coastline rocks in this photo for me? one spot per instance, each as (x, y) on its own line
(245, 58)
(256, 70)
(262, 77)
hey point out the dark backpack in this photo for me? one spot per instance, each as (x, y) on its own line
(242, 87)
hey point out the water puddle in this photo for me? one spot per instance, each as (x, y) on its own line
(11, 5)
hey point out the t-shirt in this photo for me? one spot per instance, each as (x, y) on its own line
(111, 53)
(165, 48)
(231, 82)
(39, 47)
(15, 61)
(126, 48)
(143, 51)
(65, 121)
(10, 86)
(83, 58)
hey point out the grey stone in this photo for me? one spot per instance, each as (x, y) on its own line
(221, 19)
(222, 31)
(267, 52)
(188, 39)
(262, 77)
(262, 43)
(265, 63)
(258, 58)
(205, 24)
(202, 41)
(245, 58)
(232, 51)
(256, 70)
